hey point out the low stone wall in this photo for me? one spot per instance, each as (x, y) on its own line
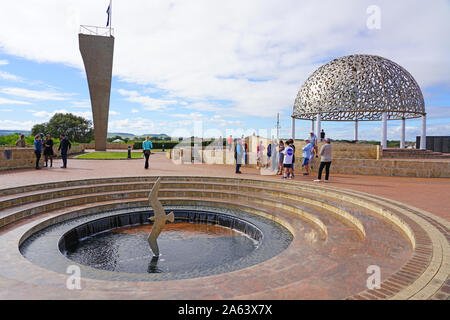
(20, 158)
(113, 146)
(396, 168)
(17, 158)
(382, 167)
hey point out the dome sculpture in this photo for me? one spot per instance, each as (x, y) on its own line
(359, 87)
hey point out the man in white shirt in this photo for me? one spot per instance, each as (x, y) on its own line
(287, 161)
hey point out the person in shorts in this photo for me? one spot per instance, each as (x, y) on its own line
(287, 161)
(306, 156)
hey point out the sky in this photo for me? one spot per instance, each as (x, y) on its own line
(217, 66)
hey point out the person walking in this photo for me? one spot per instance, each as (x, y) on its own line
(37, 149)
(280, 157)
(147, 145)
(238, 153)
(325, 160)
(48, 150)
(21, 142)
(64, 146)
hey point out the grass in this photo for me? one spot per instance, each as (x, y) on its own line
(110, 155)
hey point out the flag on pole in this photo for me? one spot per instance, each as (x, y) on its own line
(108, 11)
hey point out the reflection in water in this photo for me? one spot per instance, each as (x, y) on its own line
(186, 247)
(153, 265)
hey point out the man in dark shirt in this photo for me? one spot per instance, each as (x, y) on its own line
(64, 146)
(322, 135)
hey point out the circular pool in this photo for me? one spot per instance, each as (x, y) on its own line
(113, 245)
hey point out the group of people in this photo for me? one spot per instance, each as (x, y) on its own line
(45, 147)
(285, 156)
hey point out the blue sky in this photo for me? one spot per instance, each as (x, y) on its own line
(230, 67)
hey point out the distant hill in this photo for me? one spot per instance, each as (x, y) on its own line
(9, 132)
(131, 135)
(110, 134)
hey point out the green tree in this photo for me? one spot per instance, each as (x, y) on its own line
(76, 129)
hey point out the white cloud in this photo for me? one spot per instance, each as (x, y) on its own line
(48, 114)
(36, 94)
(113, 113)
(147, 102)
(9, 101)
(134, 111)
(208, 52)
(16, 125)
(10, 77)
(3, 62)
(134, 125)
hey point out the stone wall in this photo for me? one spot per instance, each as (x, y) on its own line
(17, 158)
(20, 158)
(362, 159)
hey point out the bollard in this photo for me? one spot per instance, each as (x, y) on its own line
(129, 152)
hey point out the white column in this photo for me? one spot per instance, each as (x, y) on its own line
(312, 125)
(403, 133)
(384, 130)
(356, 130)
(318, 118)
(423, 136)
(293, 128)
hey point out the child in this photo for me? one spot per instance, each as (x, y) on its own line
(287, 161)
(306, 154)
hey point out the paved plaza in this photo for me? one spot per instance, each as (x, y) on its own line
(423, 193)
(338, 229)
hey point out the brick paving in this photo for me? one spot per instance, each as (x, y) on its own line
(428, 194)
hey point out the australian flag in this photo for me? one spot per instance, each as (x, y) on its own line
(108, 11)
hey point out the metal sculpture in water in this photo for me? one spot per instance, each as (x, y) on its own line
(159, 218)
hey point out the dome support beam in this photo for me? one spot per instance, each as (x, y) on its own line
(384, 130)
(403, 134)
(293, 128)
(318, 128)
(356, 130)
(423, 135)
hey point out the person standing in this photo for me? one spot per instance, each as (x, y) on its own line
(313, 140)
(269, 152)
(230, 142)
(238, 153)
(37, 149)
(306, 154)
(21, 142)
(280, 158)
(64, 146)
(325, 160)
(292, 144)
(287, 161)
(147, 146)
(48, 150)
(322, 135)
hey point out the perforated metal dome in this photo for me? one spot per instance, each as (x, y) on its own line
(359, 87)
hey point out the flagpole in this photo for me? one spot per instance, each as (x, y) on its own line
(110, 17)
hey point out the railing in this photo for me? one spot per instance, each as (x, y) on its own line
(97, 31)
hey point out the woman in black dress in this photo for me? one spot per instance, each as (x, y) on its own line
(48, 150)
